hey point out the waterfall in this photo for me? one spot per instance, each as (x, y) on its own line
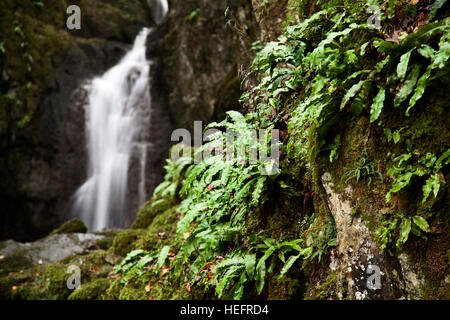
(143, 162)
(160, 9)
(117, 113)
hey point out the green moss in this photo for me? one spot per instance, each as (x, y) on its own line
(148, 286)
(56, 277)
(113, 292)
(150, 210)
(124, 241)
(14, 262)
(286, 288)
(435, 290)
(161, 231)
(72, 226)
(91, 291)
(164, 222)
(106, 243)
(131, 293)
(97, 257)
(324, 291)
(32, 44)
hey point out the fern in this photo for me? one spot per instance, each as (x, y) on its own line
(428, 165)
(398, 227)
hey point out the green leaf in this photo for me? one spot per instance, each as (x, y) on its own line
(162, 256)
(281, 256)
(432, 184)
(377, 106)
(38, 4)
(401, 181)
(396, 136)
(250, 261)
(259, 186)
(436, 6)
(239, 292)
(444, 158)
(408, 86)
(420, 89)
(403, 65)
(272, 264)
(288, 265)
(440, 59)
(426, 51)
(260, 276)
(266, 255)
(405, 228)
(421, 223)
(352, 92)
(226, 279)
(283, 185)
(144, 261)
(388, 134)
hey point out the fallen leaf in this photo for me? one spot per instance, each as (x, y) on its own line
(208, 266)
(186, 235)
(165, 270)
(94, 268)
(171, 254)
(423, 19)
(162, 235)
(147, 287)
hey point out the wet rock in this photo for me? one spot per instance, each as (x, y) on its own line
(53, 248)
(203, 56)
(72, 226)
(358, 261)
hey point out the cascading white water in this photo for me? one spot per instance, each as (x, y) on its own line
(117, 112)
(160, 9)
(143, 162)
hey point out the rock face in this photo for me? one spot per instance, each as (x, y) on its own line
(357, 259)
(43, 162)
(202, 55)
(50, 249)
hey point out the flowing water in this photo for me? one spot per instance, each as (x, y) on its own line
(160, 9)
(118, 115)
(118, 110)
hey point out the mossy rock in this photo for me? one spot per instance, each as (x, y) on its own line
(91, 291)
(124, 241)
(164, 222)
(14, 262)
(289, 287)
(106, 243)
(135, 289)
(72, 226)
(56, 281)
(326, 290)
(150, 210)
(113, 292)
